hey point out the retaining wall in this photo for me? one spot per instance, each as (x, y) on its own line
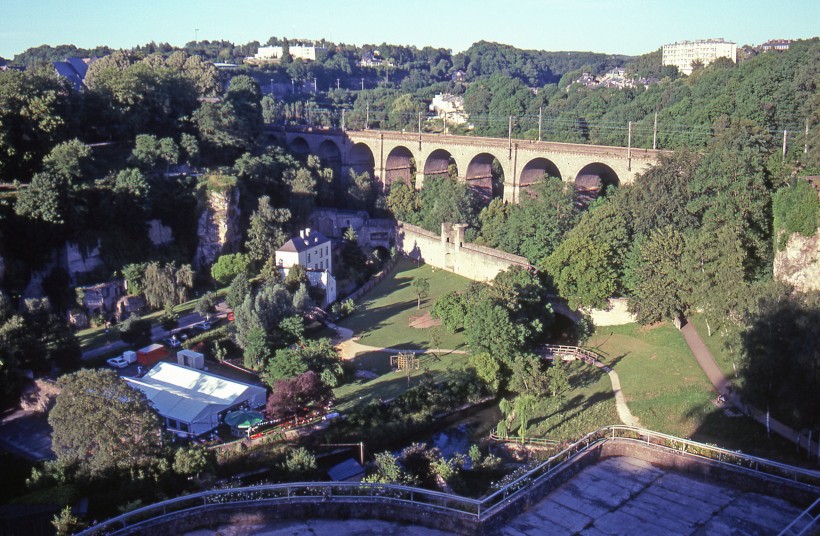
(448, 251)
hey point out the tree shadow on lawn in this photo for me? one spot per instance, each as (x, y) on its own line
(386, 389)
(576, 406)
(387, 287)
(383, 390)
(373, 319)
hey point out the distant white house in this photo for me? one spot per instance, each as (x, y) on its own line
(192, 402)
(450, 105)
(274, 53)
(311, 250)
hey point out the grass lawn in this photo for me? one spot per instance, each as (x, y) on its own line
(383, 315)
(663, 384)
(715, 345)
(668, 392)
(589, 405)
(389, 384)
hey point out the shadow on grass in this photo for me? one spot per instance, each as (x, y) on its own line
(578, 405)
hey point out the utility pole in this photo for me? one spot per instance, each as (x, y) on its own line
(362, 84)
(337, 83)
(539, 123)
(315, 88)
(655, 133)
(419, 131)
(509, 133)
(806, 140)
(629, 148)
(785, 135)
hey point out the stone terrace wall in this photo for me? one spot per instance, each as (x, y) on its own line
(450, 252)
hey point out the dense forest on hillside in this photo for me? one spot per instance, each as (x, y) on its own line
(696, 232)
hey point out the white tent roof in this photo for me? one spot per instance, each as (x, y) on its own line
(193, 396)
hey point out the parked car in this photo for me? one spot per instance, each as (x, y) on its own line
(185, 334)
(122, 361)
(205, 325)
(172, 342)
(117, 362)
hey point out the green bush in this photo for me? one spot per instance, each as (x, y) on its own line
(796, 210)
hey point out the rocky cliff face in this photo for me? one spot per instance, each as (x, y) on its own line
(218, 227)
(799, 263)
(159, 234)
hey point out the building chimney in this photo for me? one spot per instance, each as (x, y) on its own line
(302, 234)
(307, 232)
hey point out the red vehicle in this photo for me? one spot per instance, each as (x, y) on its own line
(151, 354)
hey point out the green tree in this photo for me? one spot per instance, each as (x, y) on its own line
(266, 232)
(361, 193)
(488, 328)
(451, 309)
(66, 523)
(33, 118)
(228, 266)
(55, 194)
(796, 209)
(206, 305)
(192, 461)
(528, 376)
(659, 196)
(715, 276)
(421, 286)
(238, 290)
(587, 268)
(388, 471)
(300, 465)
(730, 188)
(403, 202)
(101, 424)
(661, 293)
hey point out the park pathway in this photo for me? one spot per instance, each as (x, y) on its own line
(722, 384)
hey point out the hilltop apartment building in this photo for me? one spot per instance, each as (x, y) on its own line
(683, 53)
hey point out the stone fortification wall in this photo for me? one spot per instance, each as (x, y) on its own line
(614, 315)
(450, 252)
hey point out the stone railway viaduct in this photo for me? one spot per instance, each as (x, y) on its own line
(391, 156)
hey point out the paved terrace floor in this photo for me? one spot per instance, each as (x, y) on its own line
(629, 496)
(615, 496)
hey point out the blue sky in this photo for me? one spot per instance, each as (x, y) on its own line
(612, 26)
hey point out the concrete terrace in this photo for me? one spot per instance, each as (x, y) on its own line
(630, 496)
(618, 496)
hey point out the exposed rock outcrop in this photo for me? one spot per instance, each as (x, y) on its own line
(218, 227)
(159, 234)
(799, 263)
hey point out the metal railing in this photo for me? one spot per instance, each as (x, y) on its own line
(583, 354)
(471, 509)
(805, 522)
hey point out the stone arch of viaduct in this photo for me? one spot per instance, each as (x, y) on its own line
(392, 156)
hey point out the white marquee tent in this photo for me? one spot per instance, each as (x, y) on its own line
(193, 402)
